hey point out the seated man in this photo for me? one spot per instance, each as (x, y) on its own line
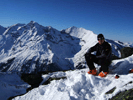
(103, 56)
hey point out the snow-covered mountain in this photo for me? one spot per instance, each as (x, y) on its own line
(33, 47)
(30, 48)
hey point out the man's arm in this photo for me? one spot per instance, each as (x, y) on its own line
(92, 49)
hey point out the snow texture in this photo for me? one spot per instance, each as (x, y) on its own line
(79, 85)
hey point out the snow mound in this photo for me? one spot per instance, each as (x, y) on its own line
(81, 86)
(122, 66)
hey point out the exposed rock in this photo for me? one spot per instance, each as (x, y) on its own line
(126, 51)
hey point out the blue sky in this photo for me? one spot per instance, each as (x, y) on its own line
(113, 18)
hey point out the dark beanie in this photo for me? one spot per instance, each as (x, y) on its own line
(100, 36)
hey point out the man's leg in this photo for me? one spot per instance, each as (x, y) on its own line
(90, 59)
(104, 67)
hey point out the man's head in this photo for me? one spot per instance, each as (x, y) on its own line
(100, 38)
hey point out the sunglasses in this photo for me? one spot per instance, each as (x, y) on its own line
(100, 39)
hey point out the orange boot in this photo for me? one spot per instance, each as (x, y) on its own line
(103, 74)
(93, 72)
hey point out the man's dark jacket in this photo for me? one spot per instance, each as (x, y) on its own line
(102, 51)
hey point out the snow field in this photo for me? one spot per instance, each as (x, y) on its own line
(79, 85)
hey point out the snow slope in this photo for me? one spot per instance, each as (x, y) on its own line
(81, 86)
(11, 85)
(33, 48)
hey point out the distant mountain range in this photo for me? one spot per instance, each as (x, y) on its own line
(32, 48)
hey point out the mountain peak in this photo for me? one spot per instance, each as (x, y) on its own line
(73, 27)
(2, 29)
(1, 26)
(32, 22)
(78, 32)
